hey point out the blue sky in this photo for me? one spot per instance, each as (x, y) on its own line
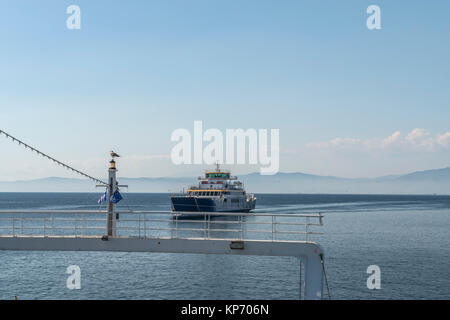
(138, 70)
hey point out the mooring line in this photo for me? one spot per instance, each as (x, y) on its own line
(325, 275)
(52, 159)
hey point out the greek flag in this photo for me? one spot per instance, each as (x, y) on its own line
(116, 197)
(102, 198)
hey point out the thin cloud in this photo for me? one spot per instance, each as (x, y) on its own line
(335, 143)
(418, 139)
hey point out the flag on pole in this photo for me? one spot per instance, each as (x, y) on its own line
(102, 198)
(116, 197)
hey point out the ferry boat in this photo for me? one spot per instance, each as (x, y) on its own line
(217, 191)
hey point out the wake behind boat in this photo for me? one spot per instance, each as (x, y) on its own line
(217, 191)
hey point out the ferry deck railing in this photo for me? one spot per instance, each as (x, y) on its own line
(161, 224)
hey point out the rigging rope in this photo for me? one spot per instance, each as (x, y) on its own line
(325, 275)
(52, 159)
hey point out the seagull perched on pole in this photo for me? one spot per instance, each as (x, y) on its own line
(113, 154)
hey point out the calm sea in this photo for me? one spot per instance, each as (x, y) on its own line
(406, 236)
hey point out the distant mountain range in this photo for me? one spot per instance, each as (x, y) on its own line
(420, 182)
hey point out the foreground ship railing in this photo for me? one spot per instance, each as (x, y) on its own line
(161, 224)
(163, 231)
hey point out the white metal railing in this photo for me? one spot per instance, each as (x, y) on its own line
(161, 224)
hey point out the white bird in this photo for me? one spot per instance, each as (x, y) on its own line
(113, 154)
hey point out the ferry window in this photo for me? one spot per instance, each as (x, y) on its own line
(217, 175)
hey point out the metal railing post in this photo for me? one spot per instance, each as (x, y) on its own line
(139, 215)
(145, 226)
(205, 224)
(307, 229)
(241, 219)
(209, 226)
(176, 226)
(273, 226)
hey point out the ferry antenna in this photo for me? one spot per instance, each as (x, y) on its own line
(51, 158)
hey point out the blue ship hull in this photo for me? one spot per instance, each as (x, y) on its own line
(196, 204)
(191, 204)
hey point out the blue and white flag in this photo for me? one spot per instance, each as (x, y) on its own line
(102, 198)
(116, 197)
